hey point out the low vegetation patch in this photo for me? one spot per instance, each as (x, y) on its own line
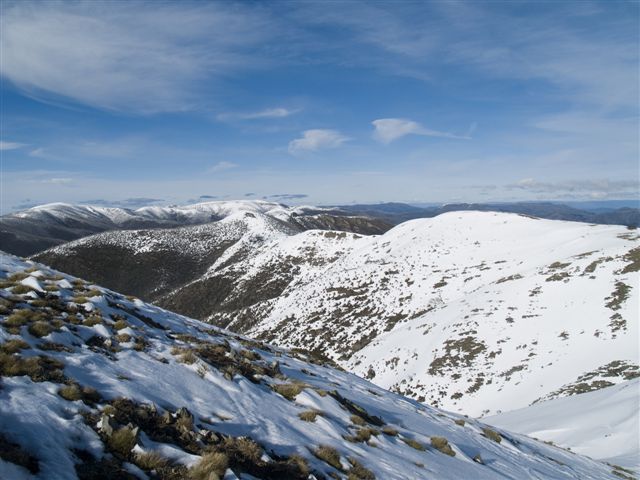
(442, 445)
(329, 455)
(492, 434)
(414, 444)
(211, 466)
(13, 453)
(288, 390)
(309, 415)
(358, 471)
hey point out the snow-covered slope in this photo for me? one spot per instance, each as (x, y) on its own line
(604, 424)
(475, 312)
(96, 384)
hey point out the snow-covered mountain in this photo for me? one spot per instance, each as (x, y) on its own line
(475, 312)
(33, 230)
(603, 424)
(98, 385)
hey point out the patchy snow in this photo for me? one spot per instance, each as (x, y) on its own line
(34, 416)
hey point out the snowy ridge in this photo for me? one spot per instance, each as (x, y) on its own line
(476, 312)
(93, 381)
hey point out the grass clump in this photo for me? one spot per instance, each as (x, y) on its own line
(288, 390)
(492, 434)
(120, 324)
(309, 415)
(362, 435)
(122, 441)
(92, 320)
(21, 289)
(23, 316)
(150, 460)
(40, 329)
(459, 421)
(71, 392)
(14, 346)
(329, 455)
(358, 420)
(442, 445)
(358, 471)
(414, 444)
(387, 430)
(39, 369)
(211, 466)
(80, 299)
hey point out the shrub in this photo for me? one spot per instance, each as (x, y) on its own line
(122, 441)
(358, 420)
(188, 357)
(392, 432)
(442, 445)
(460, 422)
(120, 324)
(309, 415)
(288, 390)
(211, 466)
(21, 289)
(414, 444)
(71, 392)
(242, 450)
(40, 329)
(92, 320)
(150, 460)
(359, 472)
(39, 369)
(123, 337)
(329, 455)
(492, 434)
(362, 435)
(14, 346)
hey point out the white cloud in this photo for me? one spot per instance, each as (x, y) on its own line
(316, 139)
(222, 166)
(279, 112)
(389, 129)
(10, 145)
(125, 56)
(58, 181)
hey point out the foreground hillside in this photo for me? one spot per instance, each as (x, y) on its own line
(602, 424)
(472, 311)
(97, 385)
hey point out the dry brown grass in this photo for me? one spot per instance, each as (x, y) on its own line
(288, 390)
(309, 415)
(414, 444)
(329, 455)
(122, 441)
(14, 346)
(150, 460)
(492, 434)
(120, 324)
(358, 420)
(442, 445)
(210, 467)
(40, 329)
(358, 471)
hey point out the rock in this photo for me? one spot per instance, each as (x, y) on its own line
(106, 425)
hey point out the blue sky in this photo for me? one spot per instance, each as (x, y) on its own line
(327, 102)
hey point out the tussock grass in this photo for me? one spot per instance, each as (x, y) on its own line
(122, 441)
(358, 471)
(492, 434)
(358, 420)
(289, 390)
(414, 444)
(329, 455)
(14, 346)
(392, 432)
(442, 445)
(210, 467)
(120, 324)
(309, 415)
(150, 460)
(40, 329)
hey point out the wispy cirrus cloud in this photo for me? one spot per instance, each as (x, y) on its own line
(124, 56)
(269, 113)
(316, 139)
(10, 145)
(222, 166)
(589, 188)
(389, 129)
